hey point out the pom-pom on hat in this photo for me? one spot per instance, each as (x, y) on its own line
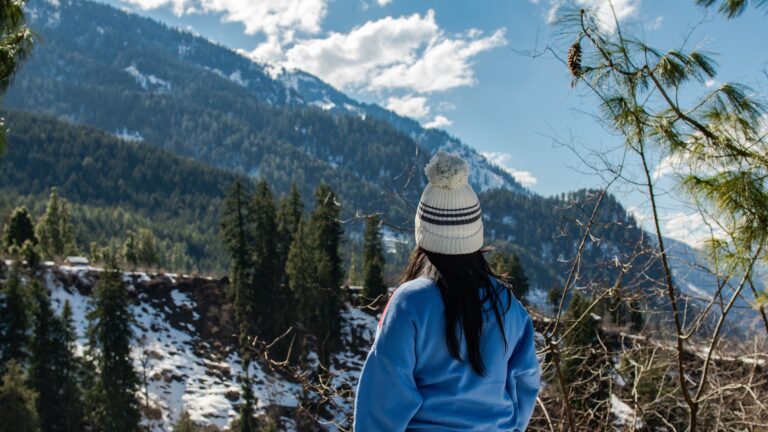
(449, 220)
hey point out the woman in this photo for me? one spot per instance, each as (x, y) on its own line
(454, 350)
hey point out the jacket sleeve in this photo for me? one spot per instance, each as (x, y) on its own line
(387, 397)
(524, 378)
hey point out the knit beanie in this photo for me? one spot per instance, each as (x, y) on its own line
(449, 220)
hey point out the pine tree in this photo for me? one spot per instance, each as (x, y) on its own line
(509, 267)
(246, 420)
(373, 260)
(291, 213)
(147, 251)
(185, 423)
(237, 235)
(266, 272)
(54, 230)
(51, 366)
(302, 277)
(325, 235)
(14, 319)
(131, 250)
(30, 253)
(110, 338)
(17, 402)
(19, 229)
(69, 369)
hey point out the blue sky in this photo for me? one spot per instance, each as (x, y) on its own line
(458, 65)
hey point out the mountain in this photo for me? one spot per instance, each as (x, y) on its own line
(93, 52)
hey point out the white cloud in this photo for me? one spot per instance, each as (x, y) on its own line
(689, 228)
(671, 164)
(383, 2)
(686, 226)
(352, 59)
(656, 23)
(409, 106)
(408, 52)
(502, 160)
(709, 83)
(438, 122)
(445, 64)
(604, 10)
(279, 20)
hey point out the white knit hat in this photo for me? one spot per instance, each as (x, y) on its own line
(449, 220)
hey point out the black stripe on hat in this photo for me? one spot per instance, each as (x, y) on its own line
(450, 210)
(450, 221)
(452, 215)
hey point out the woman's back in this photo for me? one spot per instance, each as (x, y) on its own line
(412, 382)
(454, 351)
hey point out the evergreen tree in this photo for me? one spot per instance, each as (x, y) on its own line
(237, 235)
(131, 250)
(289, 217)
(51, 366)
(266, 272)
(509, 267)
(54, 230)
(71, 398)
(373, 260)
(110, 338)
(185, 423)
(147, 252)
(30, 252)
(302, 279)
(14, 319)
(17, 402)
(291, 213)
(246, 420)
(19, 229)
(325, 235)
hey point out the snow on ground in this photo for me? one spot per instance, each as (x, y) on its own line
(127, 135)
(147, 80)
(179, 368)
(624, 413)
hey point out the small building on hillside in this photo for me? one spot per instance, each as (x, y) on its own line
(77, 261)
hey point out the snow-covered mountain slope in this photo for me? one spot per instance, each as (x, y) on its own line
(185, 352)
(314, 91)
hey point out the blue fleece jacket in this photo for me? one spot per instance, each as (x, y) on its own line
(410, 382)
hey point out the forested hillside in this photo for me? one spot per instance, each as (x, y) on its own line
(115, 186)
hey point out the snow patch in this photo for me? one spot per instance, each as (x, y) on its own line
(625, 415)
(145, 81)
(237, 78)
(127, 135)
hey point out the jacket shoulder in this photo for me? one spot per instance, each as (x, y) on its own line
(415, 295)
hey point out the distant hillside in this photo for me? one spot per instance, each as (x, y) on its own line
(115, 185)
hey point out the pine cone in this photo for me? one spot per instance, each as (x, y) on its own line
(574, 59)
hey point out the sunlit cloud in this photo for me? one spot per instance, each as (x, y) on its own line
(503, 161)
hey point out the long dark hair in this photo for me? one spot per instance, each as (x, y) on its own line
(465, 285)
